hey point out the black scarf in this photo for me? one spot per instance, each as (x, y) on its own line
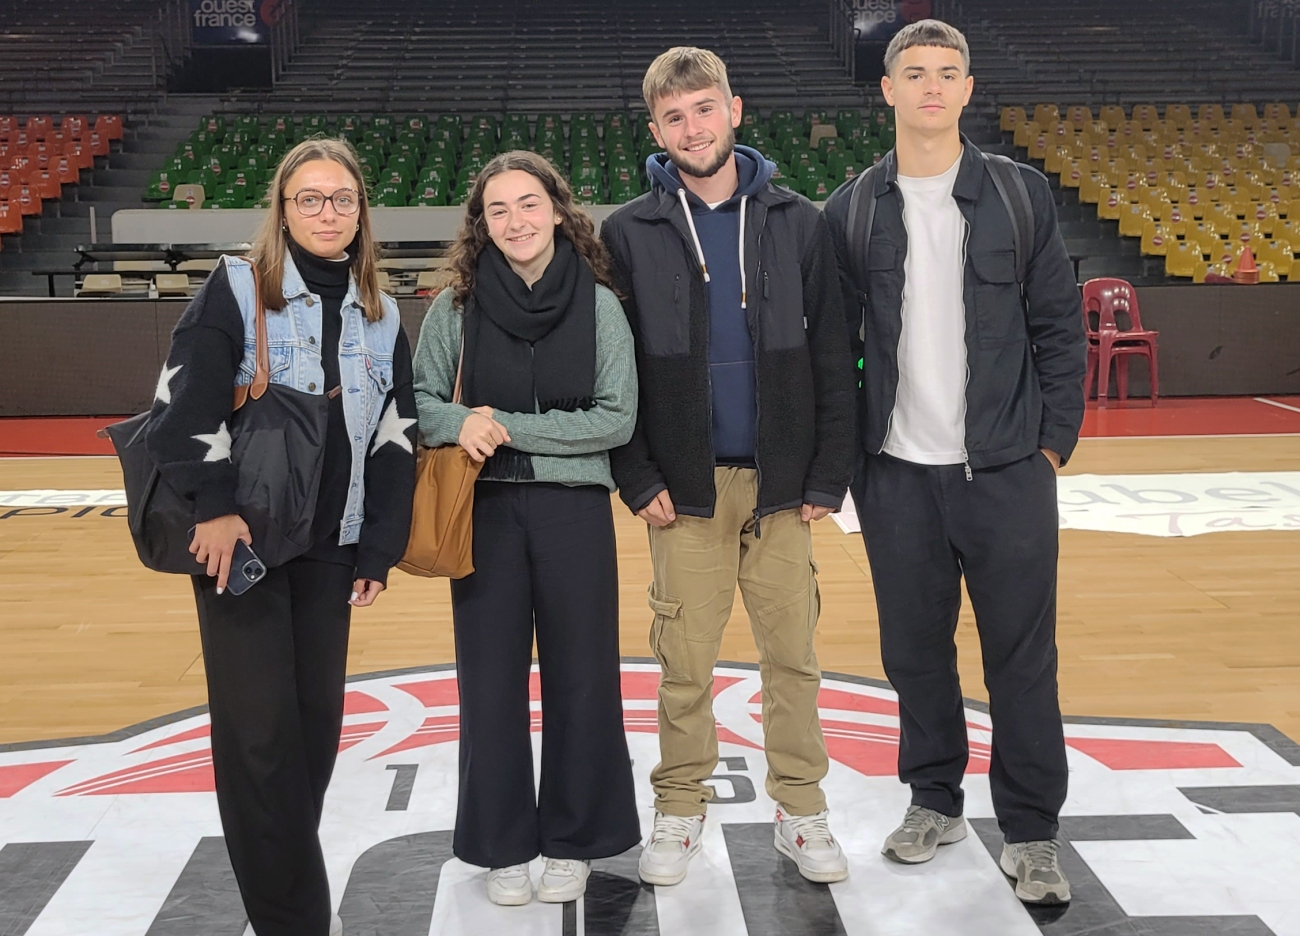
(530, 350)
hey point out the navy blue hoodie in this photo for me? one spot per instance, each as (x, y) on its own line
(731, 346)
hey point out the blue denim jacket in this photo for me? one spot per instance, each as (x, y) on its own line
(293, 339)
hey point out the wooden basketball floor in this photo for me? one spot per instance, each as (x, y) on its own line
(1201, 628)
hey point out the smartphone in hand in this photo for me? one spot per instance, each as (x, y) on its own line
(246, 570)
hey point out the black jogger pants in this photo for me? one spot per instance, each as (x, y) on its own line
(925, 528)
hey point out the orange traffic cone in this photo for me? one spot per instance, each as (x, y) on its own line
(1247, 273)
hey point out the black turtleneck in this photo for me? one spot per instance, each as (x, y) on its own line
(328, 279)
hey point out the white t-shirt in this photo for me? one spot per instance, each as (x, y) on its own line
(928, 425)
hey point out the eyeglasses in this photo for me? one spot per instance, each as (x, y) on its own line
(310, 202)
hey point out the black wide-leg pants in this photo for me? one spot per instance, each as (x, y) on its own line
(925, 528)
(276, 659)
(545, 562)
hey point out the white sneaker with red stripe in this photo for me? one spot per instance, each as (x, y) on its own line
(808, 842)
(673, 843)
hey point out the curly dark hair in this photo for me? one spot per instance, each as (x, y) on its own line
(473, 237)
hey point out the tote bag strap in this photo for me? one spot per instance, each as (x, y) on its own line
(262, 376)
(460, 370)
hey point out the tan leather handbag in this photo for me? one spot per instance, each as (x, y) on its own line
(442, 531)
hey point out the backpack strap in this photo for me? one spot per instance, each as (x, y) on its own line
(1015, 196)
(862, 217)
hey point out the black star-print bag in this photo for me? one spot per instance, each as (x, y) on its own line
(278, 447)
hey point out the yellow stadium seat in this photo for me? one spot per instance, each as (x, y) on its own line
(1180, 115)
(1012, 117)
(1182, 259)
(1072, 174)
(1054, 161)
(1277, 112)
(1133, 218)
(1113, 115)
(1079, 115)
(1268, 273)
(1293, 276)
(1090, 187)
(1110, 202)
(1026, 132)
(1155, 239)
(1038, 145)
(1045, 114)
(1198, 275)
(1210, 115)
(1145, 115)
(1245, 114)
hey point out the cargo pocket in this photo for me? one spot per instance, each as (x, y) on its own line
(666, 638)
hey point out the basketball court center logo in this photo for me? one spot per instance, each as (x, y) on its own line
(1170, 830)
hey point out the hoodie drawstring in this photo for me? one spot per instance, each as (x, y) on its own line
(699, 251)
(743, 297)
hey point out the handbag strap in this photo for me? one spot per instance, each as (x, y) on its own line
(262, 375)
(460, 368)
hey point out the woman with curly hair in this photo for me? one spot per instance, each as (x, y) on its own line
(548, 384)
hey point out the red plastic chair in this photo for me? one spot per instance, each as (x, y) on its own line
(11, 218)
(1104, 297)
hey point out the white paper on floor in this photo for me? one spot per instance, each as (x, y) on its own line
(1167, 504)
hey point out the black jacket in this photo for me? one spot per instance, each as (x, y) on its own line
(804, 373)
(1025, 355)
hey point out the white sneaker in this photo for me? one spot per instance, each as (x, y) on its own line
(1036, 871)
(807, 841)
(563, 879)
(673, 843)
(336, 925)
(510, 887)
(922, 832)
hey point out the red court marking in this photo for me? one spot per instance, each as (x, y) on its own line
(182, 773)
(62, 435)
(872, 750)
(355, 734)
(358, 703)
(435, 730)
(1125, 754)
(17, 777)
(434, 692)
(1192, 416)
(202, 731)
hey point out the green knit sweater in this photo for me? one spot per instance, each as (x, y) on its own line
(566, 447)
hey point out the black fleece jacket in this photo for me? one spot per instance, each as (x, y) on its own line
(1025, 350)
(805, 442)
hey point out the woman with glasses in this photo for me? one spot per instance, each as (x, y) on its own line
(549, 387)
(275, 656)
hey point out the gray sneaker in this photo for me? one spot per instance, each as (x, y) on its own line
(922, 832)
(1036, 871)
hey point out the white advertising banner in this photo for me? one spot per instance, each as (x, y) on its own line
(1168, 504)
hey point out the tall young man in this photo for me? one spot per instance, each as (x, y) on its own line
(745, 434)
(973, 364)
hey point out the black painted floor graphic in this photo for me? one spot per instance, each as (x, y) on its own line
(1170, 830)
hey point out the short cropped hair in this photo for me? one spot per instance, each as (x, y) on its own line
(927, 32)
(681, 69)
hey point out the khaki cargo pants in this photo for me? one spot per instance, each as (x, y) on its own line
(697, 565)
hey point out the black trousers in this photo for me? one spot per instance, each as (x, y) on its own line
(545, 561)
(925, 527)
(276, 658)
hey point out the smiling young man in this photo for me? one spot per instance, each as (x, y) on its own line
(744, 435)
(973, 359)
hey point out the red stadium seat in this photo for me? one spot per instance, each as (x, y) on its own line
(80, 153)
(11, 218)
(98, 142)
(8, 179)
(29, 202)
(66, 170)
(1105, 296)
(75, 126)
(38, 127)
(8, 125)
(46, 184)
(109, 126)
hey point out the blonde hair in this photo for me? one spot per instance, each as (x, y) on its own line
(267, 253)
(927, 32)
(681, 69)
